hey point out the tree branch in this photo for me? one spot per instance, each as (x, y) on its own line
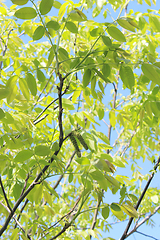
(140, 199)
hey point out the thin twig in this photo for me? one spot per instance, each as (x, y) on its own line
(5, 196)
(140, 199)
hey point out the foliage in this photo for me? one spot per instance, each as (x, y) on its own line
(55, 76)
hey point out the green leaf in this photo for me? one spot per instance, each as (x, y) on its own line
(11, 85)
(124, 23)
(103, 137)
(40, 75)
(112, 118)
(127, 76)
(2, 113)
(71, 27)
(106, 40)
(101, 75)
(45, 6)
(155, 22)
(129, 210)
(115, 207)
(38, 33)
(24, 88)
(23, 155)
(4, 93)
(77, 15)
(53, 24)
(112, 181)
(86, 77)
(96, 32)
(42, 150)
(19, 2)
(151, 73)
(26, 13)
(106, 70)
(105, 212)
(66, 103)
(57, 4)
(116, 34)
(31, 81)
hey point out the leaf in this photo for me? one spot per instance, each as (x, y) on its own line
(40, 75)
(112, 118)
(115, 207)
(124, 23)
(105, 212)
(71, 27)
(129, 210)
(86, 77)
(2, 113)
(112, 181)
(31, 81)
(101, 75)
(77, 15)
(26, 13)
(24, 88)
(116, 34)
(103, 137)
(66, 103)
(23, 155)
(106, 70)
(127, 76)
(106, 40)
(19, 2)
(56, 4)
(42, 150)
(155, 199)
(11, 85)
(4, 93)
(45, 6)
(151, 73)
(38, 33)
(53, 24)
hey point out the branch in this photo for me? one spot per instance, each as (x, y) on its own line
(5, 196)
(140, 199)
(17, 223)
(5, 48)
(143, 221)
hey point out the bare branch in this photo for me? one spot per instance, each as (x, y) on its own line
(140, 199)
(5, 196)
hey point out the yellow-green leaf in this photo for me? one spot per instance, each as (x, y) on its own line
(2, 113)
(26, 13)
(38, 33)
(129, 210)
(127, 76)
(45, 6)
(24, 88)
(23, 155)
(19, 2)
(77, 15)
(4, 93)
(53, 24)
(42, 150)
(71, 27)
(151, 73)
(116, 34)
(86, 77)
(106, 40)
(124, 23)
(31, 81)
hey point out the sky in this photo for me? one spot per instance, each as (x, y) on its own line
(118, 228)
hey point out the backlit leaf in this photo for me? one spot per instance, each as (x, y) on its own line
(19, 2)
(86, 77)
(2, 113)
(71, 27)
(53, 24)
(31, 81)
(23, 155)
(116, 34)
(42, 150)
(38, 33)
(151, 73)
(26, 13)
(45, 6)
